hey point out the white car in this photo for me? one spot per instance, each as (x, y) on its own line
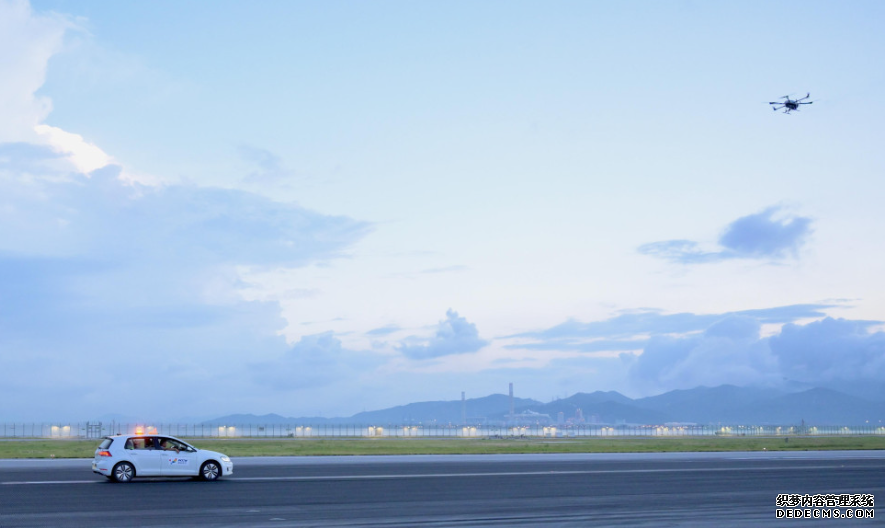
(124, 457)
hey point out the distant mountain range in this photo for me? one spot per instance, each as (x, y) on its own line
(726, 404)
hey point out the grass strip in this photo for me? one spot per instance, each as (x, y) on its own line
(247, 447)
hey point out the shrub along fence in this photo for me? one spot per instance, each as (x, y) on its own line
(99, 429)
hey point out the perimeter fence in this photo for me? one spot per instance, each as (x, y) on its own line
(99, 429)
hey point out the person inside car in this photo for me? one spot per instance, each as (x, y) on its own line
(167, 445)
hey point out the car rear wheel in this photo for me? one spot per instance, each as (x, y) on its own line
(210, 470)
(123, 472)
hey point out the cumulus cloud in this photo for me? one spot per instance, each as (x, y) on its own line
(109, 220)
(762, 235)
(677, 351)
(27, 41)
(768, 235)
(454, 335)
(86, 157)
(830, 350)
(731, 351)
(109, 281)
(105, 278)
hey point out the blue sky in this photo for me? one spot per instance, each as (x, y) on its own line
(320, 208)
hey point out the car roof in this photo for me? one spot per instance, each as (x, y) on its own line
(126, 436)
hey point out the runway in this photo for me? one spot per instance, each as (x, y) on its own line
(668, 489)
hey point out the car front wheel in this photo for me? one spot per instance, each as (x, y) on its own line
(210, 470)
(123, 472)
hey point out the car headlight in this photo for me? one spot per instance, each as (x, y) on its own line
(225, 458)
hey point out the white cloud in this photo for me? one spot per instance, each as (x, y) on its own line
(732, 351)
(769, 235)
(663, 352)
(830, 350)
(728, 352)
(114, 274)
(85, 156)
(27, 41)
(454, 335)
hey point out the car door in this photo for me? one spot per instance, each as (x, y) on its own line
(144, 455)
(177, 459)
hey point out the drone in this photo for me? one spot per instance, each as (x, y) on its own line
(790, 104)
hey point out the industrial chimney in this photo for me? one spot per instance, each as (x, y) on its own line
(463, 408)
(511, 400)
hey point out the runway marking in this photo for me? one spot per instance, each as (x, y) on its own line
(514, 474)
(462, 475)
(52, 482)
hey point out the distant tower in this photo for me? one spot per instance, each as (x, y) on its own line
(463, 408)
(511, 399)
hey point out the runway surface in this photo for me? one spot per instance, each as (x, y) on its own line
(667, 489)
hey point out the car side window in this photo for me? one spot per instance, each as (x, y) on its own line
(140, 443)
(169, 444)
